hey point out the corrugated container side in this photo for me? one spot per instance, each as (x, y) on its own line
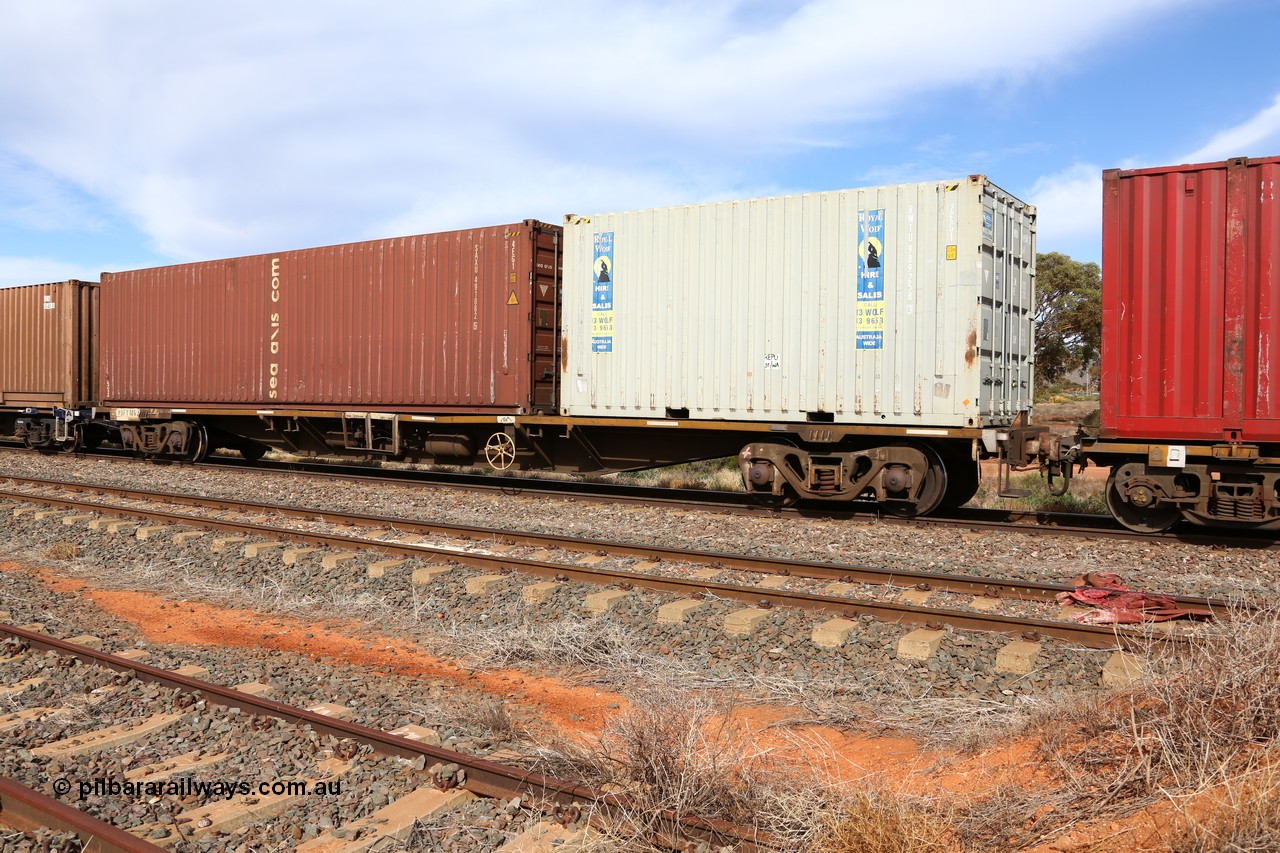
(1191, 302)
(48, 337)
(898, 305)
(436, 321)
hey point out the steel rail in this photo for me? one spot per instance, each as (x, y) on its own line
(488, 778)
(1092, 636)
(813, 570)
(27, 810)
(1030, 521)
(1072, 524)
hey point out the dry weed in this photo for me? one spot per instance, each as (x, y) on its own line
(493, 718)
(1211, 710)
(879, 821)
(675, 754)
(62, 551)
(1085, 495)
(1242, 815)
(960, 723)
(1006, 817)
(713, 474)
(601, 646)
(1207, 712)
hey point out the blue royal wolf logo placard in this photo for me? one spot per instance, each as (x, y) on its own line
(602, 276)
(869, 319)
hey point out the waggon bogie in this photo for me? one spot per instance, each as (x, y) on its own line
(903, 478)
(1153, 497)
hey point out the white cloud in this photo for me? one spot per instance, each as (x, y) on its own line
(1257, 137)
(235, 127)
(1069, 211)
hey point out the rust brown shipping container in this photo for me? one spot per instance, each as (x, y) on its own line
(461, 321)
(48, 345)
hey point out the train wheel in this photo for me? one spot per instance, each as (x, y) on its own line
(962, 482)
(77, 440)
(933, 492)
(761, 478)
(768, 500)
(500, 451)
(1140, 519)
(199, 439)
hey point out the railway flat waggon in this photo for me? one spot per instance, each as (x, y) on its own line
(394, 348)
(844, 345)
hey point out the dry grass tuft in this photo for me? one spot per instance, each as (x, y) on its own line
(603, 647)
(62, 551)
(493, 718)
(671, 752)
(1206, 717)
(1241, 816)
(1202, 729)
(674, 753)
(878, 821)
(1006, 817)
(1214, 711)
(964, 724)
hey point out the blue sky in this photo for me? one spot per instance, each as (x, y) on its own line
(141, 132)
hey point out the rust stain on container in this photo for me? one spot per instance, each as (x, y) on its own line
(421, 322)
(971, 347)
(1191, 301)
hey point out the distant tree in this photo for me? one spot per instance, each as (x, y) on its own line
(1068, 316)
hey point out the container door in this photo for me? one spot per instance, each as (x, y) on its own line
(545, 277)
(1005, 338)
(87, 336)
(1259, 258)
(1165, 305)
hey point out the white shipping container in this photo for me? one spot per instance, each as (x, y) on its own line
(897, 305)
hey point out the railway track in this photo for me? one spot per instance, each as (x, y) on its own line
(1072, 524)
(971, 518)
(447, 780)
(506, 558)
(760, 583)
(45, 822)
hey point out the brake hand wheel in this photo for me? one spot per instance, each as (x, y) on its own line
(500, 451)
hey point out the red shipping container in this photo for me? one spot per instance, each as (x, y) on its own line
(1191, 302)
(462, 321)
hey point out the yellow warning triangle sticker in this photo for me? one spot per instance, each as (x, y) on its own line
(512, 300)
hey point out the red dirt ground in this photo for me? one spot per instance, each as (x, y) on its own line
(583, 711)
